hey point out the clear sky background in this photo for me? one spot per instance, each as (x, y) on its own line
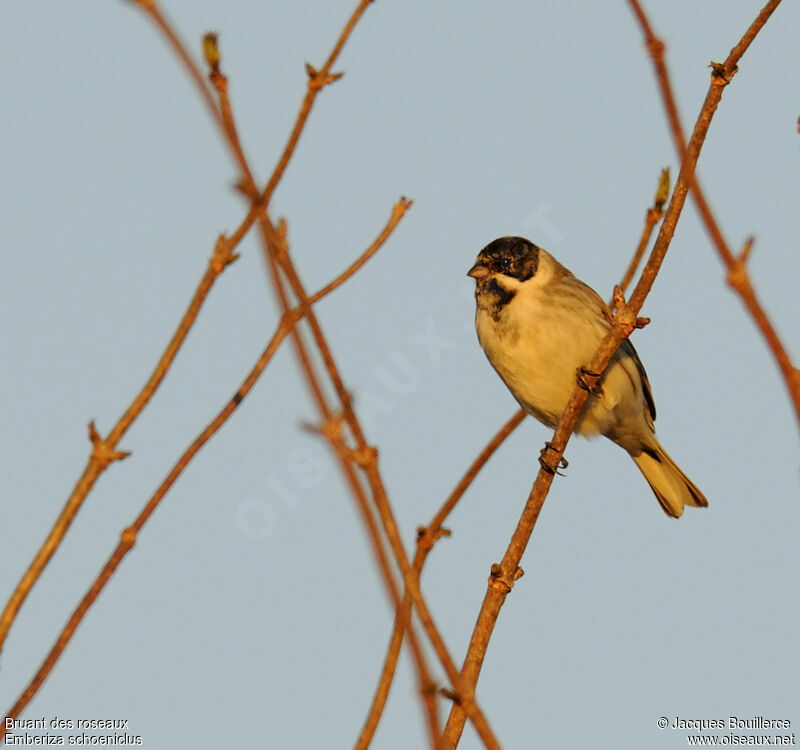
(250, 613)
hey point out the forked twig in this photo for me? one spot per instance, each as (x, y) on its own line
(278, 255)
(128, 536)
(104, 450)
(738, 277)
(427, 536)
(366, 457)
(624, 321)
(277, 250)
(651, 218)
(278, 259)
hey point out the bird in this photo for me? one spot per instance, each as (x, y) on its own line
(539, 326)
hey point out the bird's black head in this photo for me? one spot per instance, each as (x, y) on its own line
(511, 256)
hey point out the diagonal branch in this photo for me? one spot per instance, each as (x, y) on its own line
(318, 79)
(278, 259)
(277, 251)
(507, 572)
(651, 218)
(427, 536)
(365, 456)
(278, 255)
(738, 277)
(104, 450)
(223, 256)
(129, 534)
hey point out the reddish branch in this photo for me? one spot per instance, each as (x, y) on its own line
(365, 456)
(427, 536)
(738, 277)
(128, 536)
(104, 449)
(280, 264)
(625, 320)
(651, 218)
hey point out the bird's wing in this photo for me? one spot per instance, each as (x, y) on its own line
(627, 348)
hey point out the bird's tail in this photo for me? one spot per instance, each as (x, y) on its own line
(671, 486)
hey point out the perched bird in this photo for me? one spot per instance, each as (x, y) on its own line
(539, 325)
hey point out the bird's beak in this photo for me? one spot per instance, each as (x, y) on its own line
(478, 271)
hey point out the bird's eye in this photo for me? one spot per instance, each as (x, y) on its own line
(505, 263)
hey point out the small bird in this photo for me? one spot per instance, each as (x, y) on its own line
(539, 325)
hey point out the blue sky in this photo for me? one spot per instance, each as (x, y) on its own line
(250, 612)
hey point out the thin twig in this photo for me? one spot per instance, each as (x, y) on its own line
(738, 277)
(277, 240)
(317, 81)
(278, 256)
(651, 218)
(104, 451)
(277, 250)
(151, 8)
(279, 259)
(276, 247)
(397, 213)
(129, 535)
(624, 322)
(427, 536)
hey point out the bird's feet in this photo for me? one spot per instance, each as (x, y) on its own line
(547, 465)
(595, 390)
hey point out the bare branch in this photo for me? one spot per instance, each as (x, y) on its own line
(651, 218)
(128, 537)
(624, 321)
(104, 449)
(427, 536)
(274, 241)
(721, 76)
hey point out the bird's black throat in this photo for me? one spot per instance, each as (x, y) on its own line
(493, 297)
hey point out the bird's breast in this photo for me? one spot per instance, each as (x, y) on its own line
(536, 349)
